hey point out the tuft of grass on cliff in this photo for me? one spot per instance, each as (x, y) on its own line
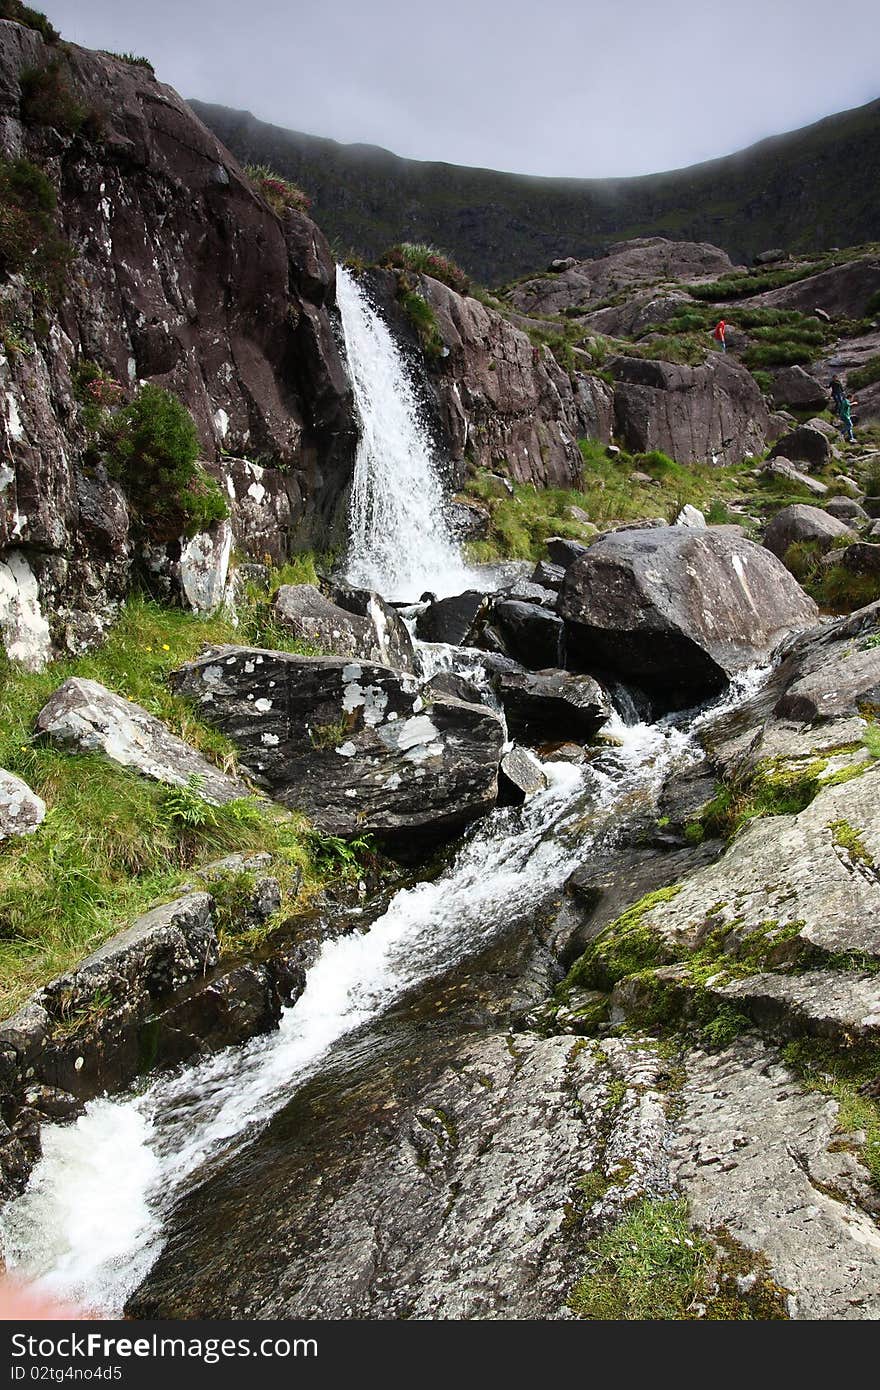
(114, 843)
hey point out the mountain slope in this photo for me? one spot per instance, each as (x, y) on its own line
(804, 190)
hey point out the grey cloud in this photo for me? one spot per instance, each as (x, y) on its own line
(569, 87)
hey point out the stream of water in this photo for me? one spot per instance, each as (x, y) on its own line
(92, 1220)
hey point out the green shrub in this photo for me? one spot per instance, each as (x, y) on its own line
(29, 240)
(31, 19)
(47, 98)
(151, 446)
(873, 305)
(427, 260)
(803, 559)
(278, 192)
(422, 318)
(134, 60)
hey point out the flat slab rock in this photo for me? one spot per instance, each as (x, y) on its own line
(84, 715)
(758, 1156)
(839, 1004)
(680, 609)
(21, 810)
(351, 744)
(789, 869)
(454, 1202)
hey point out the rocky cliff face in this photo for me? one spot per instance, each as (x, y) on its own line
(178, 274)
(501, 402)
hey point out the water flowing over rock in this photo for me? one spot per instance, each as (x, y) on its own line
(86, 716)
(504, 403)
(351, 744)
(679, 610)
(400, 543)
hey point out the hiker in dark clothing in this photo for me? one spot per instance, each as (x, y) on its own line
(842, 407)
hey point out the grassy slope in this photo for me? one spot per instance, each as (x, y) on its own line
(113, 843)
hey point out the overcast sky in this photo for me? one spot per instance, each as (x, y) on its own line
(572, 87)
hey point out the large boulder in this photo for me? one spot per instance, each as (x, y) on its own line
(845, 509)
(530, 633)
(551, 706)
(379, 635)
(800, 522)
(711, 413)
(84, 715)
(803, 445)
(795, 387)
(677, 610)
(184, 276)
(626, 265)
(21, 810)
(351, 744)
(452, 620)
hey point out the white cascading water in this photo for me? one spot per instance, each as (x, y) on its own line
(91, 1221)
(400, 544)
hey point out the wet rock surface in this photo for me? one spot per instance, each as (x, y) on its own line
(352, 744)
(549, 704)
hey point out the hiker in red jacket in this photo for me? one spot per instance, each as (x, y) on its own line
(718, 334)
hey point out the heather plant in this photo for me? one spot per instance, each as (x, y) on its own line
(278, 192)
(427, 260)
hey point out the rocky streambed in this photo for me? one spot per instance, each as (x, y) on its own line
(649, 978)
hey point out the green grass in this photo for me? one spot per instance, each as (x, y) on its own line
(520, 524)
(113, 842)
(422, 318)
(653, 1266)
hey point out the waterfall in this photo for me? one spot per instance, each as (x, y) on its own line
(400, 543)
